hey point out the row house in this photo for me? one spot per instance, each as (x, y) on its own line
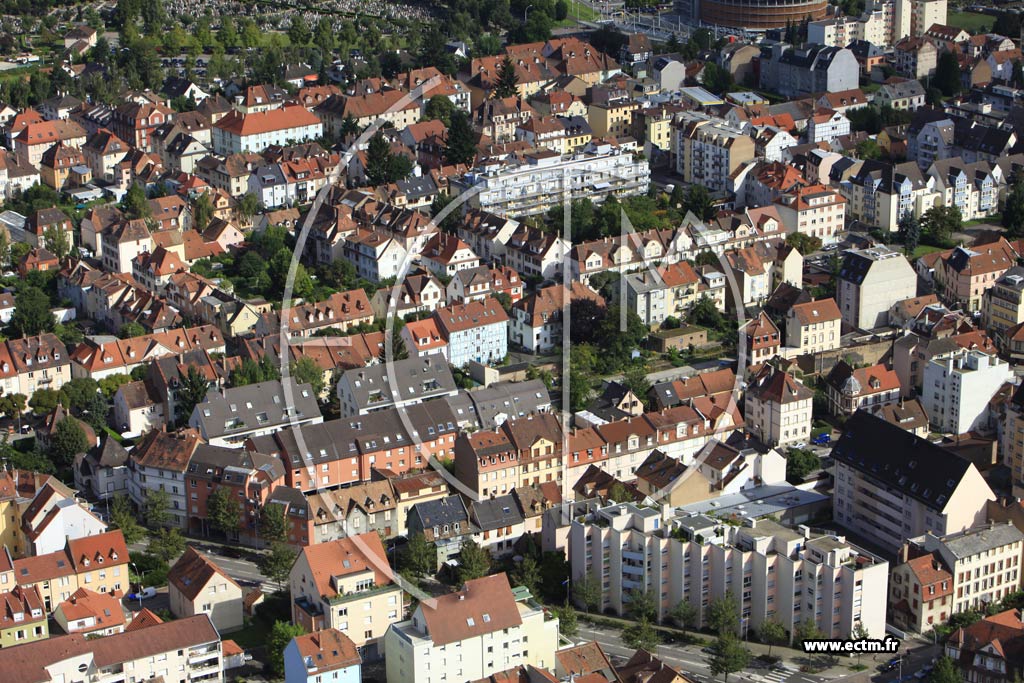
(98, 562)
(394, 106)
(230, 173)
(534, 253)
(159, 462)
(962, 275)
(629, 252)
(238, 133)
(341, 311)
(37, 138)
(486, 233)
(879, 193)
(815, 210)
(445, 255)
(346, 451)
(499, 118)
(418, 292)
(974, 189)
(32, 363)
(202, 300)
(369, 507)
(290, 183)
(122, 356)
(477, 284)
(376, 255)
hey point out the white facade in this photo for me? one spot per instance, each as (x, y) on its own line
(870, 282)
(773, 571)
(958, 386)
(542, 181)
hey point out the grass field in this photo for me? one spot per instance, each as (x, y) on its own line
(924, 249)
(971, 21)
(577, 10)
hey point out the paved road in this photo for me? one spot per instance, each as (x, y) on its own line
(240, 569)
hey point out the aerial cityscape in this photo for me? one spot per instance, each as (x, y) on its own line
(511, 341)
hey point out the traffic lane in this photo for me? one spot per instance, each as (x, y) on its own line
(914, 660)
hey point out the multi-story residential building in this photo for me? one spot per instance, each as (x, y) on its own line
(920, 593)
(22, 619)
(851, 389)
(238, 413)
(347, 585)
(470, 635)
(891, 494)
(237, 133)
(982, 565)
(709, 150)
(475, 332)
(915, 57)
(611, 113)
(870, 281)
(813, 327)
(827, 125)
(1002, 304)
(445, 255)
(98, 562)
(158, 463)
(134, 122)
(396, 384)
(982, 650)
(773, 571)
(963, 274)
(811, 69)
(324, 655)
(906, 95)
(197, 585)
(761, 339)
(958, 386)
(647, 295)
(36, 363)
(536, 322)
(880, 193)
(777, 408)
(815, 210)
(974, 189)
(321, 455)
(541, 179)
(189, 648)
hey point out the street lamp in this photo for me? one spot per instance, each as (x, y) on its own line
(141, 587)
(526, 12)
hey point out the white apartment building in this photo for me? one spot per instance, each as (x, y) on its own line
(290, 124)
(870, 282)
(815, 210)
(777, 408)
(984, 562)
(813, 327)
(892, 485)
(186, 650)
(958, 386)
(472, 634)
(827, 126)
(544, 178)
(774, 572)
(709, 150)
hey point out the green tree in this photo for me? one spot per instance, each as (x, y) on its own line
(439, 108)
(202, 212)
(135, 202)
(684, 614)
(640, 635)
(1013, 209)
(635, 379)
(299, 32)
(191, 393)
(805, 244)
(586, 591)
(248, 205)
(67, 441)
(123, 517)
(306, 371)
(460, 147)
(947, 74)
(280, 636)
(945, 671)
(32, 314)
(79, 390)
(939, 223)
(273, 523)
(224, 511)
(641, 605)
(44, 400)
(772, 633)
(528, 574)
(276, 565)
(13, 405)
(716, 79)
(728, 656)
(698, 200)
(799, 463)
(167, 544)
(130, 330)
(507, 80)
(619, 493)
(568, 623)
(910, 231)
(723, 615)
(57, 241)
(868, 149)
(419, 557)
(806, 630)
(156, 510)
(474, 561)
(561, 10)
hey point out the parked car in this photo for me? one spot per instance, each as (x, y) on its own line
(144, 594)
(822, 439)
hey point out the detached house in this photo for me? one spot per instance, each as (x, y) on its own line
(871, 388)
(477, 331)
(198, 586)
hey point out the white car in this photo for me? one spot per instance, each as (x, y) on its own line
(144, 594)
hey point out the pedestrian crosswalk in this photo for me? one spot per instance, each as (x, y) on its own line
(778, 674)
